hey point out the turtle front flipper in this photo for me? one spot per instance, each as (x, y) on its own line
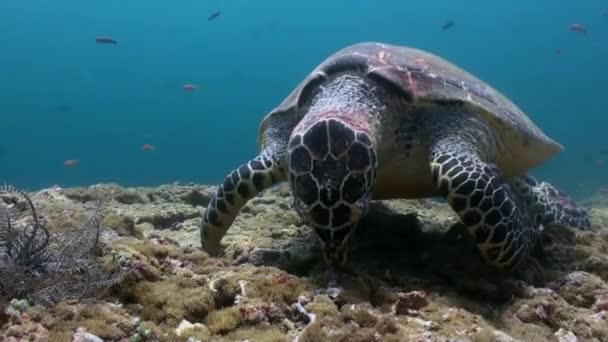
(550, 206)
(494, 216)
(239, 186)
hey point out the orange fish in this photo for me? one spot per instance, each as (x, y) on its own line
(71, 163)
(190, 87)
(149, 148)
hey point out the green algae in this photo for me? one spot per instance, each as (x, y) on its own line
(223, 321)
(171, 300)
(123, 225)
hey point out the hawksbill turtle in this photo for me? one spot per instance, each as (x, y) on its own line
(379, 121)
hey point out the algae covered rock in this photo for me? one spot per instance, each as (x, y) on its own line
(413, 275)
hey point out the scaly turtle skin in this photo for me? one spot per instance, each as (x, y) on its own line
(378, 121)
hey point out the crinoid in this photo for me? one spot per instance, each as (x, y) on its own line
(47, 268)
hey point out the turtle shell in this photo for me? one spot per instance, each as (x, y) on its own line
(424, 78)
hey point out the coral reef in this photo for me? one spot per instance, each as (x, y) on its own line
(413, 275)
(45, 267)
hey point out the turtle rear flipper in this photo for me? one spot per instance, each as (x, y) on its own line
(239, 186)
(502, 230)
(550, 206)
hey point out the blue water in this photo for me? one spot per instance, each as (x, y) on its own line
(62, 96)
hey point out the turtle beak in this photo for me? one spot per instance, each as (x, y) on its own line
(335, 256)
(335, 253)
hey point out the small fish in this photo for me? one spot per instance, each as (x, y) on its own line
(214, 15)
(448, 24)
(558, 51)
(190, 87)
(149, 148)
(71, 163)
(578, 28)
(105, 40)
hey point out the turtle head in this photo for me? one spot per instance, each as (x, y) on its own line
(332, 167)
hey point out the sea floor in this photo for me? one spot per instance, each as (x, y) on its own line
(413, 275)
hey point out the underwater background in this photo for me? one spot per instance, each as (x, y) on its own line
(65, 97)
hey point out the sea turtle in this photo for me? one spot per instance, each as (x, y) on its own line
(381, 121)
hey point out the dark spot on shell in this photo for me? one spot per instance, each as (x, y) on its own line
(305, 188)
(320, 215)
(341, 215)
(358, 157)
(316, 139)
(300, 160)
(340, 137)
(353, 188)
(323, 233)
